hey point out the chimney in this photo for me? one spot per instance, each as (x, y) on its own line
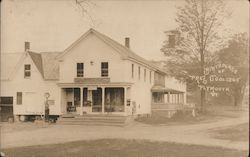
(26, 46)
(127, 42)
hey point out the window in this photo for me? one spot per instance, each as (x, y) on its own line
(139, 72)
(80, 69)
(132, 70)
(27, 70)
(6, 100)
(19, 98)
(104, 69)
(145, 74)
(171, 41)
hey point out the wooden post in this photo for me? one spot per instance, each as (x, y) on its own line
(81, 101)
(125, 99)
(168, 97)
(103, 97)
(73, 97)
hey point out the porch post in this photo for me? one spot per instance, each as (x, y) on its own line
(73, 97)
(103, 90)
(125, 98)
(168, 97)
(81, 100)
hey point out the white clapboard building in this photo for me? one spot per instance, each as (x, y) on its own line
(94, 75)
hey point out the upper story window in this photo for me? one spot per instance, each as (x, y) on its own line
(104, 69)
(145, 74)
(80, 69)
(19, 98)
(27, 71)
(139, 72)
(171, 41)
(132, 71)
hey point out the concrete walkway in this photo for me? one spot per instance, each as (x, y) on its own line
(26, 134)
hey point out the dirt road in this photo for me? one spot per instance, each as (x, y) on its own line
(26, 134)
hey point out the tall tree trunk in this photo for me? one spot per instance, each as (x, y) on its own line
(235, 100)
(203, 92)
(203, 96)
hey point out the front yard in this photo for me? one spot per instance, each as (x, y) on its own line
(178, 119)
(233, 133)
(122, 148)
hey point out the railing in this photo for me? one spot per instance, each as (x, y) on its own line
(167, 106)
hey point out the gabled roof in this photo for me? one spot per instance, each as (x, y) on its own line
(9, 62)
(125, 52)
(45, 62)
(50, 65)
(37, 59)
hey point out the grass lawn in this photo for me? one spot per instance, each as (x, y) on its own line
(122, 148)
(233, 133)
(178, 119)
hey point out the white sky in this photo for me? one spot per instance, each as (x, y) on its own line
(52, 25)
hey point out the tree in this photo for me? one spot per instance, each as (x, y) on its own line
(199, 22)
(85, 7)
(236, 54)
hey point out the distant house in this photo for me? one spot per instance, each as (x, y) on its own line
(94, 75)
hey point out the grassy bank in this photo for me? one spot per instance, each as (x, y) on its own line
(122, 148)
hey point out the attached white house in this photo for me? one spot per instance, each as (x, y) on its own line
(94, 75)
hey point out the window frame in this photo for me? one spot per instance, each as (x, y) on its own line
(27, 71)
(19, 98)
(104, 70)
(80, 71)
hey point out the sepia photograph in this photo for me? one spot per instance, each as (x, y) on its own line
(124, 78)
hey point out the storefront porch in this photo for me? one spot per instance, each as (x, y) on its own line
(95, 99)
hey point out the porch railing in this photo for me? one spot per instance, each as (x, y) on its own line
(167, 106)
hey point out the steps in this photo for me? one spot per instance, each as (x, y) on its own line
(100, 120)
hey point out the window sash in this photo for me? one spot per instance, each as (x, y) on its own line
(27, 70)
(27, 73)
(27, 67)
(19, 98)
(80, 69)
(6, 100)
(104, 69)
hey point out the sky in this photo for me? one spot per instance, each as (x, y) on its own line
(52, 25)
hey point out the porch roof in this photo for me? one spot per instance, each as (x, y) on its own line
(165, 90)
(110, 84)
